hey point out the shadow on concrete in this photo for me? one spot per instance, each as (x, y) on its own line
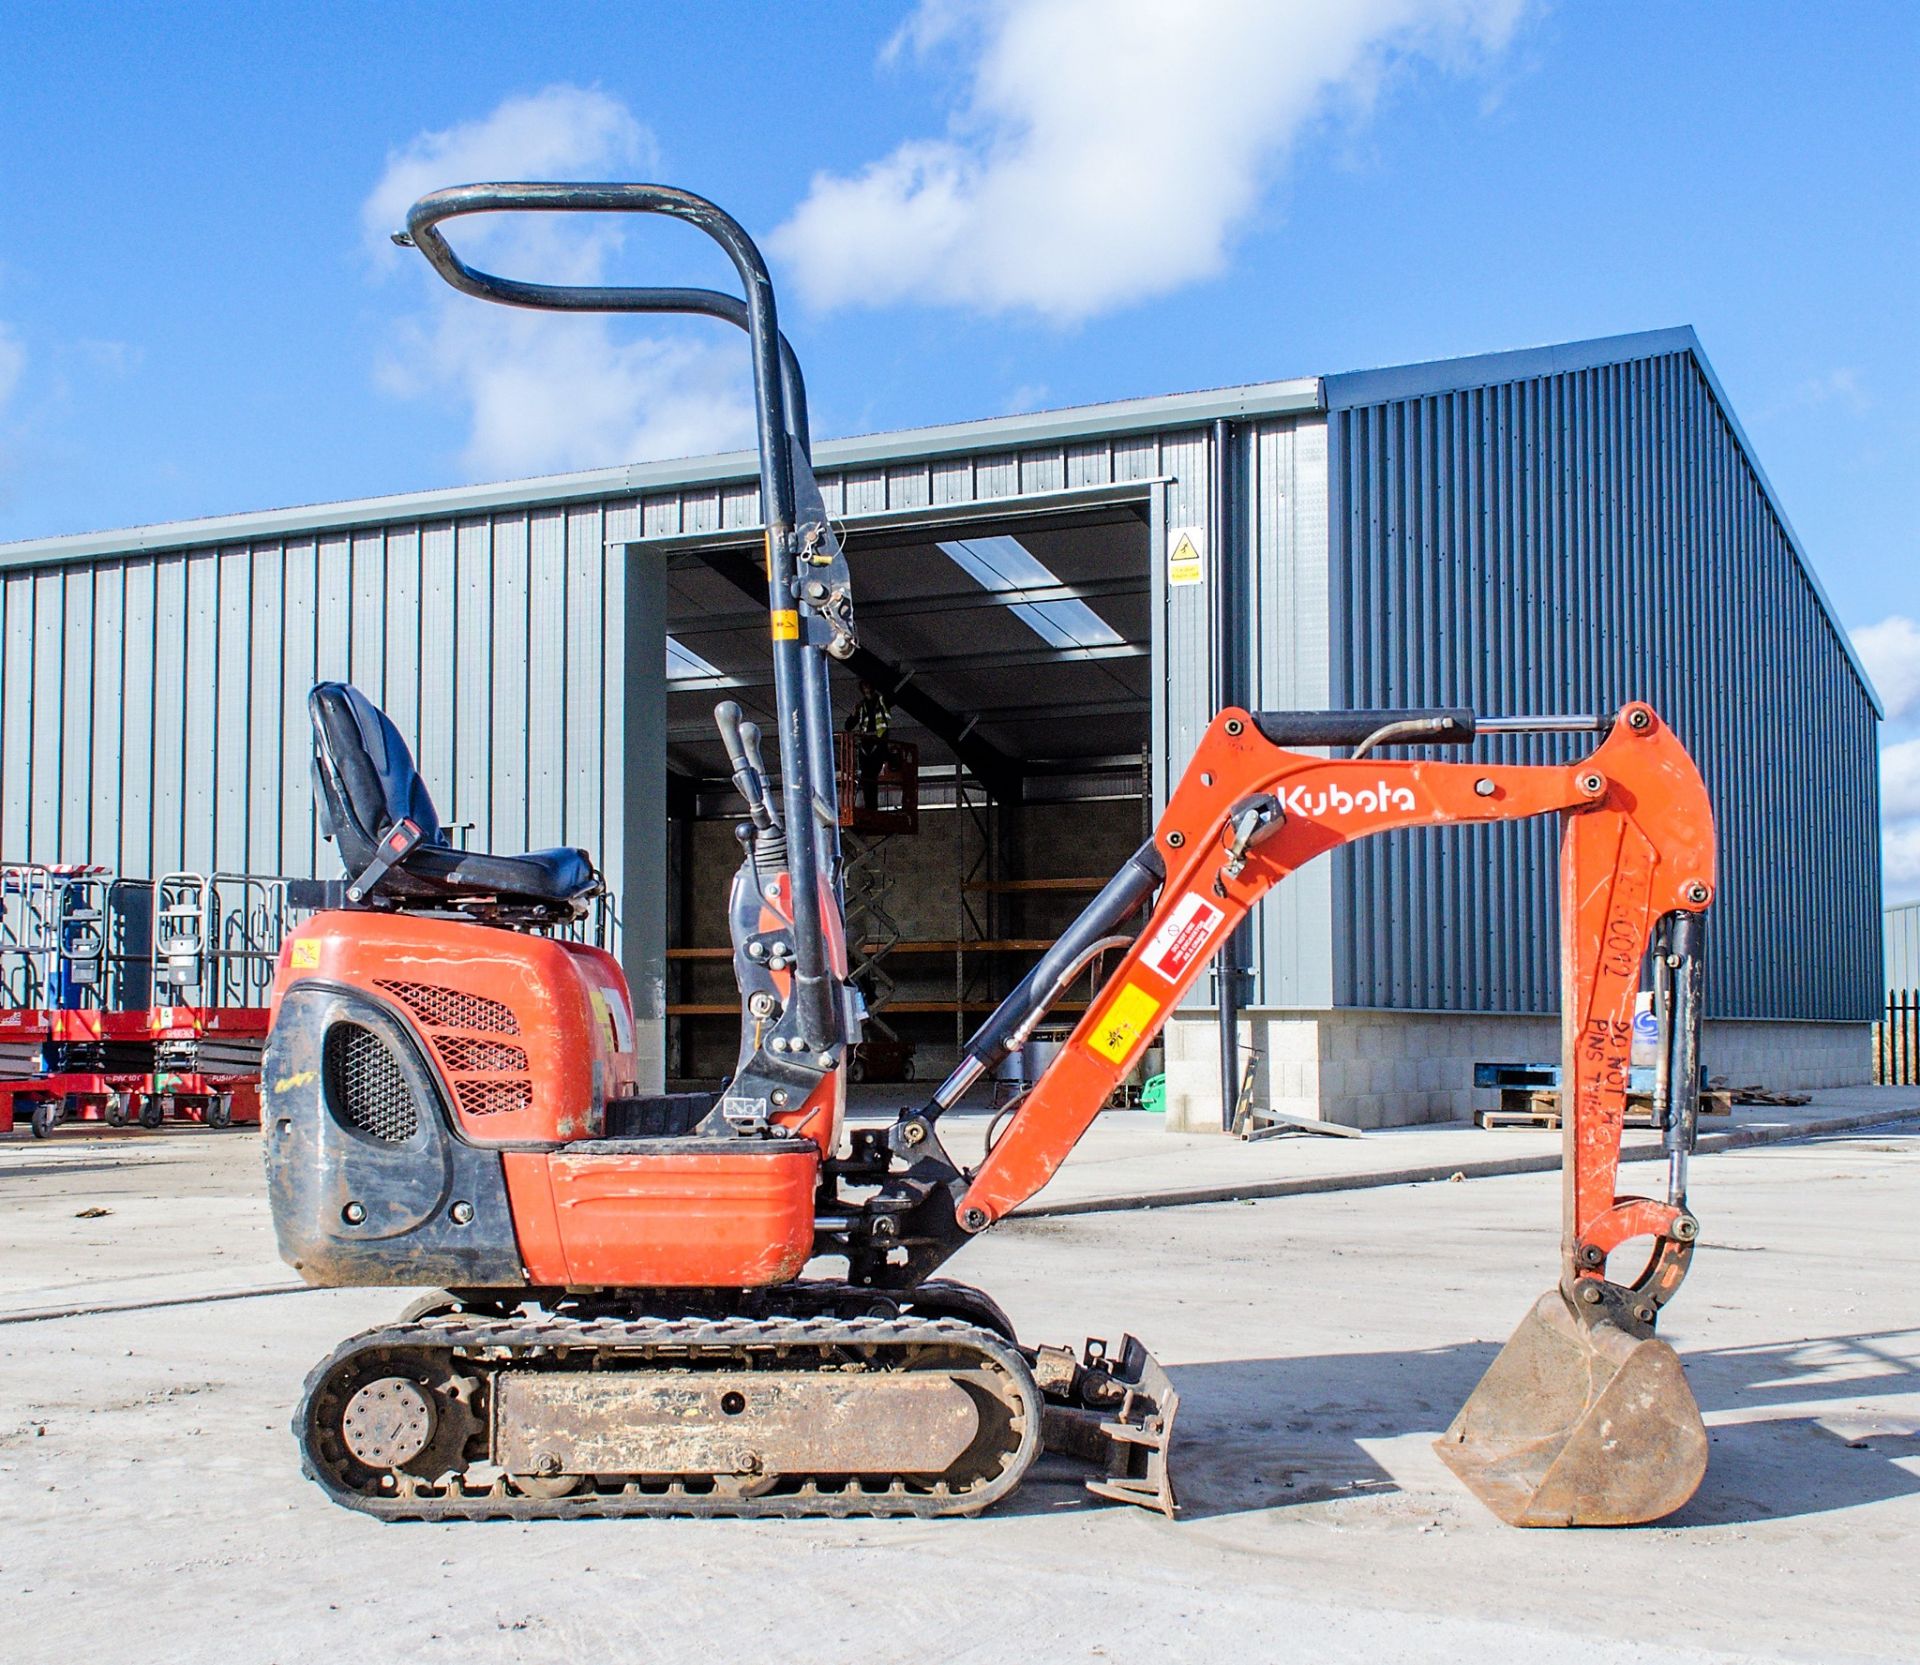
(1796, 1433)
(1259, 1434)
(1790, 1432)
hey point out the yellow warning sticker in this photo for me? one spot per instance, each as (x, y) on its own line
(786, 625)
(1186, 559)
(306, 954)
(1119, 1028)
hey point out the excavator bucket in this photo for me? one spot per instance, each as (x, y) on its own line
(1579, 1422)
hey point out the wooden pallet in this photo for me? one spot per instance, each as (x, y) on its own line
(1540, 1107)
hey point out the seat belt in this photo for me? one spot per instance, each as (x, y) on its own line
(396, 844)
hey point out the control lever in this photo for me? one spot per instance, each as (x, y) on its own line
(749, 773)
(750, 739)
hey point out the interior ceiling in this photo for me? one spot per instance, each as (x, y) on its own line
(922, 613)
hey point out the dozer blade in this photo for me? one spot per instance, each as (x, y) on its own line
(1579, 1422)
(1114, 1411)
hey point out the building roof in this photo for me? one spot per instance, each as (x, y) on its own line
(1175, 410)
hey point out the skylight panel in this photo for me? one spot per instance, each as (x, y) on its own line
(683, 664)
(1006, 564)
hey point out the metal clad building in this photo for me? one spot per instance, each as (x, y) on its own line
(1903, 948)
(1546, 530)
(1574, 534)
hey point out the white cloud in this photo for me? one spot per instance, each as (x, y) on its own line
(110, 358)
(1841, 386)
(550, 391)
(1900, 816)
(558, 133)
(1900, 781)
(1891, 652)
(1106, 149)
(13, 364)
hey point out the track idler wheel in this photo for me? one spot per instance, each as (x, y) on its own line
(1584, 1418)
(392, 1413)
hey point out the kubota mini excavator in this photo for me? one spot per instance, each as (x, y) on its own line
(621, 1324)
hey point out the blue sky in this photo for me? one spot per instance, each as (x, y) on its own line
(974, 206)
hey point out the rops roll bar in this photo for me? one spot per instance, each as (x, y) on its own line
(780, 410)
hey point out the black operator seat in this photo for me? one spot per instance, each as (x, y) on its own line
(370, 794)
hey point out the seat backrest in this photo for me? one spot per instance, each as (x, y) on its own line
(364, 778)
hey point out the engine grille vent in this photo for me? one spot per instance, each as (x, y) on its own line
(463, 1052)
(492, 1098)
(444, 1008)
(367, 1086)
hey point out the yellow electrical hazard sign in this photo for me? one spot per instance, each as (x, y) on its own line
(1118, 1029)
(306, 954)
(786, 625)
(1186, 561)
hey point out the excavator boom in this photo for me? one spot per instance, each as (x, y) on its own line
(1637, 874)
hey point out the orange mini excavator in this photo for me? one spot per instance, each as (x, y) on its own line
(621, 1320)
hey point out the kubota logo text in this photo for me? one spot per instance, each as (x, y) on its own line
(1317, 805)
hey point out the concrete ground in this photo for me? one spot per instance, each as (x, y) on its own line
(151, 1506)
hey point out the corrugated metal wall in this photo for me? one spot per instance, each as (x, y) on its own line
(1563, 543)
(923, 483)
(1282, 488)
(155, 705)
(1554, 542)
(152, 705)
(1902, 925)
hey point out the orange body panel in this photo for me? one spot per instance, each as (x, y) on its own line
(669, 1220)
(530, 1036)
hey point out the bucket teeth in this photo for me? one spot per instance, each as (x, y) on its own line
(1114, 1411)
(1579, 1422)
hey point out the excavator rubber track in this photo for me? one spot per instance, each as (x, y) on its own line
(462, 1416)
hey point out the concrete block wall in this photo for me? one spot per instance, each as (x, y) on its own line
(1373, 1069)
(1789, 1057)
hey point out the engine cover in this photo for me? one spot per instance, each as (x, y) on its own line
(368, 1183)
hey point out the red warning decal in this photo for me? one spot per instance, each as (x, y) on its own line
(1177, 944)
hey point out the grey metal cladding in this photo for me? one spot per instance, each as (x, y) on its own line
(153, 700)
(1555, 528)
(1567, 541)
(1903, 947)
(1283, 491)
(153, 706)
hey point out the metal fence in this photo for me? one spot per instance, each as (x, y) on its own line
(1896, 1040)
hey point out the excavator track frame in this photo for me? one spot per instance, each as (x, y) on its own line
(461, 1358)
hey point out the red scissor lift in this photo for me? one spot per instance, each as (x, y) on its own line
(134, 1000)
(52, 962)
(215, 940)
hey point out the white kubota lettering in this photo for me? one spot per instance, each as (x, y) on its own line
(1336, 800)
